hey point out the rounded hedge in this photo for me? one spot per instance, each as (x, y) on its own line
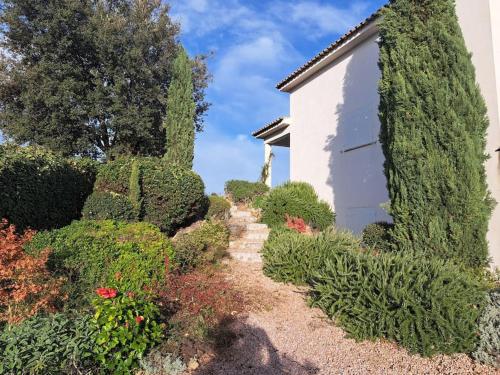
(168, 196)
(41, 190)
(296, 199)
(92, 254)
(108, 206)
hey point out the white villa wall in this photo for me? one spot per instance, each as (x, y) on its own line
(480, 22)
(336, 109)
(333, 111)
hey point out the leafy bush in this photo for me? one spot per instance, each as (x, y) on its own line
(205, 244)
(488, 350)
(173, 196)
(126, 328)
(57, 344)
(96, 253)
(165, 195)
(429, 306)
(245, 191)
(292, 257)
(377, 236)
(158, 363)
(109, 206)
(26, 287)
(41, 190)
(219, 208)
(296, 199)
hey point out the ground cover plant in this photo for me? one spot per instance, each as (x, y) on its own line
(40, 189)
(244, 191)
(488, 349)
(147, 189)
(91, 254)
(53, 344)
(299, 200)
(427, 305)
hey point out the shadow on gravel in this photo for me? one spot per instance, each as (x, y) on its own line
(242, 349)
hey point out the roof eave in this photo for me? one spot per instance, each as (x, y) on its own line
(349, 41)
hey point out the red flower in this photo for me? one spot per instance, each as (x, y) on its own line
(296, 223)
(130, 294)
(139, 319)
(106, 292)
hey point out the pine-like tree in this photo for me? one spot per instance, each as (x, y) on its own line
(434, 123)
(181, 109)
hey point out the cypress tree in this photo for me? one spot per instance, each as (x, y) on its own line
(434, 123)
(181, 109)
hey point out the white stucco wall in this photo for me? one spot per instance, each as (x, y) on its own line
(480, 22)
(333, 111)
(336, 109)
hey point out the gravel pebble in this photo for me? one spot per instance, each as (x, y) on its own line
(282, 335)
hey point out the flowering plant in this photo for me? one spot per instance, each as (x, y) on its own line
(296, 223)
(127, 326)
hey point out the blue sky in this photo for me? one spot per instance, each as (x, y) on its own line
(256, 43)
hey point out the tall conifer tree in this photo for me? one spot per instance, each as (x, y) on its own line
(181, 110)
(434, 123)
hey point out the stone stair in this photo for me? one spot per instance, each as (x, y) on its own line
(247, 236)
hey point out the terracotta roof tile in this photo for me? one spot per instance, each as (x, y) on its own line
(268, 126)
(328, 50)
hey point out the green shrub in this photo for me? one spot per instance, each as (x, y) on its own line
(40, 189)
(205, 244)
(292, 257)
(174, 197)
(377, 236)
(219, 208)
(245, 191)
(126, 327)
(428, 306)
(488, 350)
(92, 254)
(57, 344)
(108, 206)
(168, 196)
(296, 199)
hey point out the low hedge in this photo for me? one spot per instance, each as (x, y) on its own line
(149, 190)
(205, 244)
(428, 306)
(92, 254)
(244, 191)
(219, 208)
(296, 199)
(41, 190)
(55, 344)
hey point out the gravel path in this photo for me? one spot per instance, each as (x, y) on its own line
(282, 335)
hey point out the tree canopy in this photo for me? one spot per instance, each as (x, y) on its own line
(90, 77)
(433, 134)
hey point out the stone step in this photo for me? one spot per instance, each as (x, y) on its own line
(247, 257)
(241, 214)
(246, 245)
(256, 235)
(257, 226)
